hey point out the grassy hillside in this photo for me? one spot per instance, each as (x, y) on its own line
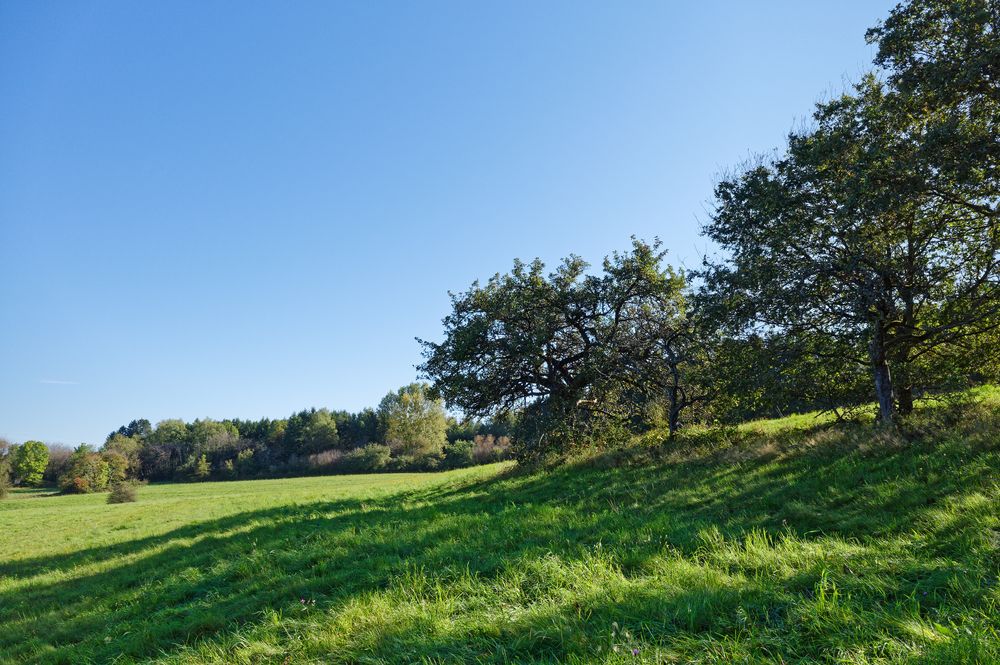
(784, 541)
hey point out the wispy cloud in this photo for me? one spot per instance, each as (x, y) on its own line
(58, 382)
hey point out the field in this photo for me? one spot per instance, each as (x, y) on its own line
(784, 541)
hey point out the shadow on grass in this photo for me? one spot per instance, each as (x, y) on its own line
(149, 597)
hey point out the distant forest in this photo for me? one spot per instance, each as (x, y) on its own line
(409, 431)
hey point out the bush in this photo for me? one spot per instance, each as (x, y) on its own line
(373, 457)
(123, 492)
(429, 462)
(458, 454)
(482, 449)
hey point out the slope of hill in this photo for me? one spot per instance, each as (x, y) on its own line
(782, 541)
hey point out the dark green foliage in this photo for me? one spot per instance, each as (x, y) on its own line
(137, 429)
(124, 492)
(943, 57)
(458, 454)
(875, 236)
(868, 252)
(481, 449)
(310, 432)
(772, 375)
(356, 429)
(572, 353)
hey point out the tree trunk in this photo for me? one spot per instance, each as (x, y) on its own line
(882, 376)
(675, 398)
(909, 327)
(674, 417)
(905, 400)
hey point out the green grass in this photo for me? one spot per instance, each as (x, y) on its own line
(786, 541)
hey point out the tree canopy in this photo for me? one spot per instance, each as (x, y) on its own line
(29, 462)
(876, 232)
(413, 424)
(568, 349)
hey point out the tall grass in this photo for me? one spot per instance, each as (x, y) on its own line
(776, 542)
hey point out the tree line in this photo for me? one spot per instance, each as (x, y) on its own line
(408, 431)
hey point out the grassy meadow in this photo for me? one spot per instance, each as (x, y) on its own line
(797, 540)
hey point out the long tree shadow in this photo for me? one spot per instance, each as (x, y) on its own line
(206, 580)
(29, 567)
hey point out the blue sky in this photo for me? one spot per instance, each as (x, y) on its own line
(241, 209)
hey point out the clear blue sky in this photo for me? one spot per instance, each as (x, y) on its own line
(241, 209)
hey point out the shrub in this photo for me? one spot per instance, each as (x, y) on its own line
(373, 457)
(427, 462)
(123, 492)
(458, 454)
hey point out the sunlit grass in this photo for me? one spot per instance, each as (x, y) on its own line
(795, 541)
